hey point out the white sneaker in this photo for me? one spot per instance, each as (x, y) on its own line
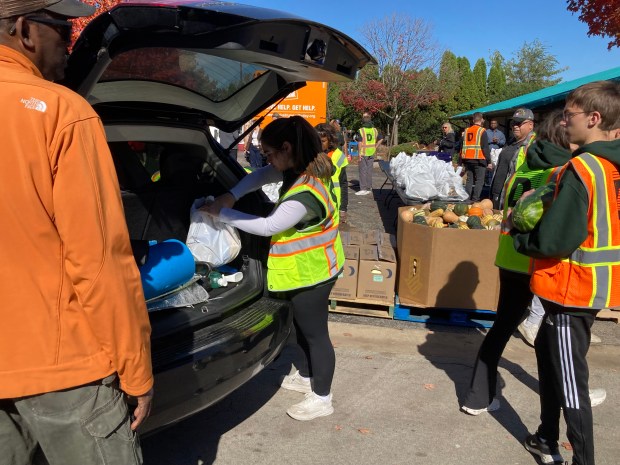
(296, 382)
(311, 407)
(362, 193)
(528, 332)
(492, 407)
(597, 396)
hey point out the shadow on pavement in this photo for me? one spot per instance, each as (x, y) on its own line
(457, 359)
(196, 439)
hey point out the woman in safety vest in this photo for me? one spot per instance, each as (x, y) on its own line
(306, 253)
(576, 246)
(329, 145)
(544, 158)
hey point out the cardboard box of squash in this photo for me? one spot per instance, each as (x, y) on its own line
(446, 255)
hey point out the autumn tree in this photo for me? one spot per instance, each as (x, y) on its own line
(80, 23)
(400, 83)
(601, 16)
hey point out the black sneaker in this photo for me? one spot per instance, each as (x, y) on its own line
(547, 451)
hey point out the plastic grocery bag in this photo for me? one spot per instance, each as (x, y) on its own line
(211, 240)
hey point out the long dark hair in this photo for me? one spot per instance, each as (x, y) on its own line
(327, 130)
(308, 156)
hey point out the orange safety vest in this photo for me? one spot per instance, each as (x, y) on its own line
(590, 276)
(472, 147)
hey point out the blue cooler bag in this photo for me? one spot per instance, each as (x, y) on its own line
(169, 265)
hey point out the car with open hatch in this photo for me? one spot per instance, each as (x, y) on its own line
(160, 74)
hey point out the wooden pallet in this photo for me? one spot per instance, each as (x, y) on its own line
(608, 314)
(445, 316)
(362, 307)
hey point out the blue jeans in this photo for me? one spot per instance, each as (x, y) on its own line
(256, 159)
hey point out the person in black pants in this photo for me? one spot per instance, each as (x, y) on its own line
(544, 157)
(311, 334)
(575, 245)
(563, 341)
(305, 255)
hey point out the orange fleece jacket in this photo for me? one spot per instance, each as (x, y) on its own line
(71, 302)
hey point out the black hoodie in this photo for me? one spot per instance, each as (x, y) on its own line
(564, 226)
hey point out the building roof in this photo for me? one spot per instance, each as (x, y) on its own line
(543, 97)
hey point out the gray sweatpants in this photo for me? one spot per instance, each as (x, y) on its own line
(365, 168)
(88, 425)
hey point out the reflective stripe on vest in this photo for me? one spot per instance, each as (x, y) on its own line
(522, 181)
(368, 145)
(590, 277)
(472, 146)
(303, 258)
(339, 160)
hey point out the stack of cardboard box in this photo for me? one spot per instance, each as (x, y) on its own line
(370, 268)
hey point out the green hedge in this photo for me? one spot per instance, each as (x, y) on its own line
(407, 147)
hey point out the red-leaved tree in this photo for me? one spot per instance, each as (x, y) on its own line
(601, 16)
(80, 23)
(404, 77)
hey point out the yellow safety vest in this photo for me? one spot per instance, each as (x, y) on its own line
(303, 258)
(340, 161)
(368, 145)
(520, 182)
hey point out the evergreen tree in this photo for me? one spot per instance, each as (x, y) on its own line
(466, 96)
(480, 82)
(531, 69)
(496, 82)
(448, 83)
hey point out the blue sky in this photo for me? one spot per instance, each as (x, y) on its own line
(473, 29)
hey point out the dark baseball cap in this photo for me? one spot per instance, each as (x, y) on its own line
(68, 8)
(522, 114)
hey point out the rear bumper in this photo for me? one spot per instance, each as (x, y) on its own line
(202, 367)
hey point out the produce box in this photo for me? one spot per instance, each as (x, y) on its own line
(345, 286)
(377, 274)
(446, 268)
(352, 237)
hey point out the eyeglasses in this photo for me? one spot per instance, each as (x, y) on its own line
(514, 123)
(568, 115)
(64, 28)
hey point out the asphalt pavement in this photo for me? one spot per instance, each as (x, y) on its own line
(396, 395)
(397, 391)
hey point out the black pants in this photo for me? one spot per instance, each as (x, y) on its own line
(561, 348)
(476, 171)
(512, 308)
(310, 312)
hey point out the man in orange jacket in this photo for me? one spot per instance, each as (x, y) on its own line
(75, 333)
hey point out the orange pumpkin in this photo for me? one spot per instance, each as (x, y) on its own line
(475, 211)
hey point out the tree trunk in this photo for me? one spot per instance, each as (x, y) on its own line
(395, 130)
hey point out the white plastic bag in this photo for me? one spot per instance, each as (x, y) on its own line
(211, 240)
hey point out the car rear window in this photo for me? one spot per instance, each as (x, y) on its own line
(213, 77)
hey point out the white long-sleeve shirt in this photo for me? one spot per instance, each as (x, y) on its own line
(285, 216)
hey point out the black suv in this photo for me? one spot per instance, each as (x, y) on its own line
(160, 74)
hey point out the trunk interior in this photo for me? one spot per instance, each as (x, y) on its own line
(161, 171)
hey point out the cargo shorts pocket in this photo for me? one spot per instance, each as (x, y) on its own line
(109, 426)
